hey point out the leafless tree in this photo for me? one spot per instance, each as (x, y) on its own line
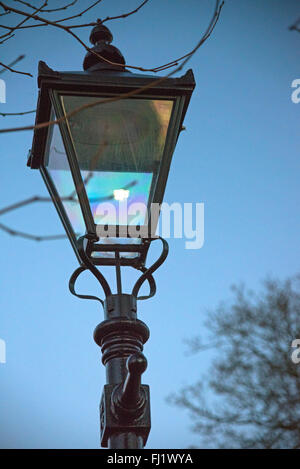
(251, 398)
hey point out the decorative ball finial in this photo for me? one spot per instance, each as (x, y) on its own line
(100, 33)
(101, 38)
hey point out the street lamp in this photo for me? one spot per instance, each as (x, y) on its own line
(105, 164)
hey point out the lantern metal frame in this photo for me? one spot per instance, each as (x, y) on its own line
(106, 84)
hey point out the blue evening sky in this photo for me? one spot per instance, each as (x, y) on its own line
(239, 155)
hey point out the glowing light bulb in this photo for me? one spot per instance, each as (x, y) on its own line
(121, 194)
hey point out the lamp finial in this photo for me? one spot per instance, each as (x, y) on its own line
(101, 38)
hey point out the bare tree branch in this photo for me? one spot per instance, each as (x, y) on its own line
(8, 114)
(155, 82)
(28, 17)
(68, 29)
(80, 14)
(21, 234)
(44, 10)
(125, 15)
(5, 13)
(45, 23)
(23, 203)
(14, 71)
(14, 62)
(108, 18)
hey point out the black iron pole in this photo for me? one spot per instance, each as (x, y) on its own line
(125, 406)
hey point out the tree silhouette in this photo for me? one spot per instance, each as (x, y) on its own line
(251, 398)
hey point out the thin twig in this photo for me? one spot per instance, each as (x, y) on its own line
(7, 67)
(28, 17)
(7, 114)
(7, 38)
(14, 62)
(65, 7)
(79, 14)
(124, 15)
(44, 10)
(31, 200)
(21, 234)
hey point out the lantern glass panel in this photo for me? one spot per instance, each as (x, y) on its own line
(57, 166)
(119, 147)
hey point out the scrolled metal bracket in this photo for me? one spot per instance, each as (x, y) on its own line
(147, 273)
(88, 265)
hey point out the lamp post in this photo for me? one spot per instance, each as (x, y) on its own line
(106, 165)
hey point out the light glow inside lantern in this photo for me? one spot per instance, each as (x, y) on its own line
(121, 194)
